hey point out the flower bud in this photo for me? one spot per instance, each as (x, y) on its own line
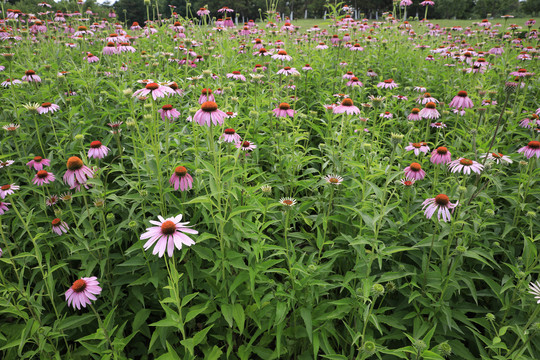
(444, 349)
(377, 290)
(369, 348)
(130, 122)
(391, 286)
(419, 345)
(396, 138)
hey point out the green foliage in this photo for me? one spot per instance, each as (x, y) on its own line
(351, 271)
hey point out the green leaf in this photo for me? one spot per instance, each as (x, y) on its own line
(140, 318)
(194, 311)
(227, 311)
(75, 321)
(306, 315)
(239, 316)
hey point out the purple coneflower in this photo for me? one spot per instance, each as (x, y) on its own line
(156, 90)
(348, 75)
(284, 110)
(77, 172)
(230, 136)
(466, 166)
(534, 289)
(4, 207)
(333, 179)
(497, 157)
(38, 163)
(82, 291)
(10, 82)
(287, 70)
(110, 49)
(97, 150)
(8, 189)
(461, 100)
(372, 74)
(347, 106)
(209, 114)
(282, 55)
(417, 148)
(407, 182)
(245, 145)
(236, 75)
(386, 115)
(414, 115)
(321, 46)
(202, 12)
(414, 172)
(430, 111)
(530, 121)
(440, 203)
(531, 149)
(43, 177)
(426, 98)
(287, 201)
(91, 58)
(387, 84)
(181, 179)
(59, 227)
(438, 125)
(6, 163)
(206, 95)
(441, 155)
(354, 82)
(167, 111)
(169, 233)
(47, 107)
(52, 200)
(30, 76)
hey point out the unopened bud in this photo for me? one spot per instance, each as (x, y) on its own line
(369, 348)
(444, 349)
(377, 290)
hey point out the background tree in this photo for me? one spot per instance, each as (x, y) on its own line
(531, 7)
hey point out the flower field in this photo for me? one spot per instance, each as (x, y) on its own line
(339, 189)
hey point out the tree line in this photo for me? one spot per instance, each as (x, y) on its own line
(136, 10)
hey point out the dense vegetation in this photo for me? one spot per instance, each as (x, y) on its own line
(349, 190)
